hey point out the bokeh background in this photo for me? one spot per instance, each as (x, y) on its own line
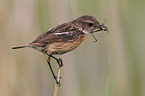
(114, 66)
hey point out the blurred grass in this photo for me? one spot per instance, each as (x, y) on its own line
(114, 66)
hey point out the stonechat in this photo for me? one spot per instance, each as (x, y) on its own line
(64, 38)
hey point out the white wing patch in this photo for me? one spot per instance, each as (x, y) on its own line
(64, 33)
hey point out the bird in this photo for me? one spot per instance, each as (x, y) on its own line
(64, 38)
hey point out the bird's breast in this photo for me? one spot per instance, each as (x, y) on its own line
(58, 48)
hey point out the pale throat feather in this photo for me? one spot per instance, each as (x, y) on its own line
(85, 32)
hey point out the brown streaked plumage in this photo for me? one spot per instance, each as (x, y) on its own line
(65, 37)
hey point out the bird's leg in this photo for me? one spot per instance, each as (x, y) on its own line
(58, 60)
(54, 76)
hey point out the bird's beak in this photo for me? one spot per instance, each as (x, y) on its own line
(101, 27)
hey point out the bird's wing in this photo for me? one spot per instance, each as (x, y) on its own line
(61, 33)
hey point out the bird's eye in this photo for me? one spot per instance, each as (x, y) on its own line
(90, 24)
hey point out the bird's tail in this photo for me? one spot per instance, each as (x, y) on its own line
(21, 46)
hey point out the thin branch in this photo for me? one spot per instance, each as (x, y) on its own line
(56, 85)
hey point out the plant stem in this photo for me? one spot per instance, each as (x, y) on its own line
(56, 85)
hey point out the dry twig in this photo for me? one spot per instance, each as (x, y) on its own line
(56, 85)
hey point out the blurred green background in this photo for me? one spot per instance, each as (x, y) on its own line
(114, 66)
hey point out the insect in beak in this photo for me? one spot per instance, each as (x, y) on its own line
(105, 28)
(102, 27)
